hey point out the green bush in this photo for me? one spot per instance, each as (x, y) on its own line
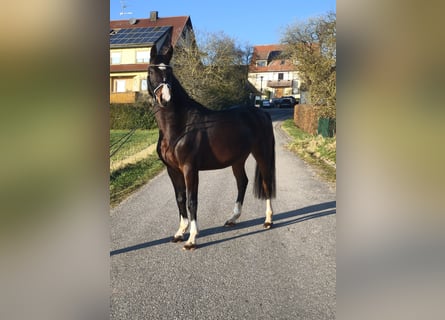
(129, 116)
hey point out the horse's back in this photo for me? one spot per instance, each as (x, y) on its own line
(257, 119)
(219, 139)
(241, 123)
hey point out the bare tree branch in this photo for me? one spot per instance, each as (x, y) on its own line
(313, 45)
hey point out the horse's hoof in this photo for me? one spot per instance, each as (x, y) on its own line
(178, 239)
(189, 247)
(229, 224)
(267, 225)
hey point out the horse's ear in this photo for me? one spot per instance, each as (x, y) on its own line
(169, 53)
(153, 53)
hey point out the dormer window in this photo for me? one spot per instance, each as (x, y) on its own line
(261, 63)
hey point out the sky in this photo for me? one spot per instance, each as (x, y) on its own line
(247, 21)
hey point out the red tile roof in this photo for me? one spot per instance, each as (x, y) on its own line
(178, 23)
(274, 63)
(262, 51)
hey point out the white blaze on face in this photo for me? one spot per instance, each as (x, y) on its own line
(165, 93)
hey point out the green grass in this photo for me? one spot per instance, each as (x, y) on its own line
(296, 133)
(128, 179)
(140, 140)
(316, 150)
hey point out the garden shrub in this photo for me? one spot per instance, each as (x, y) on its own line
(130, 116)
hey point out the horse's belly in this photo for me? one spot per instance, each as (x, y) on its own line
(222, 158)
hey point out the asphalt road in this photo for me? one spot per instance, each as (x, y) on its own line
(244, 272)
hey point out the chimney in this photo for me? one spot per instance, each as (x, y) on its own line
(153, 16)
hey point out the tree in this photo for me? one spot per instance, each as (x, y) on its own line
(188, 67)
(214, 75)
(312, 45)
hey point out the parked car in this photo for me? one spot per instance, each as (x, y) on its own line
(284, 103)
(266, 103)
(275, 102)
(292, 98)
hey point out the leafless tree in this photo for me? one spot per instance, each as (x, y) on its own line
(312, 47)
(214, 74)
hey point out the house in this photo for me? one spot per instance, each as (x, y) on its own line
(130, 44)
(272, 74)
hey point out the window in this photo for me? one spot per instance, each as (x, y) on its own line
(142, 56)
(119, 85)
(144, 85)
(115, 57)
(280, 76)
(261, 63)
(295, 87)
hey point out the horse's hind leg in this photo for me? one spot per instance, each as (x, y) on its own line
(241, 183)
(178, 181)
(264, 180)
(269, 213)
(264, 187)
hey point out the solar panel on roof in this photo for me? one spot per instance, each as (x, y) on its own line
(135, 36)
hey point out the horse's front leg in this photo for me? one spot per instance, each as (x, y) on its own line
(191, 181)
(178, 181)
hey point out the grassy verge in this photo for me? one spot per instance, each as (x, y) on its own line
(128, 179)
(140, 140)
(316, 150)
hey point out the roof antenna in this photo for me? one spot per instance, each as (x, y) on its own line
(124, 7)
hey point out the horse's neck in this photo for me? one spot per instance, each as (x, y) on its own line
(173, 120)
(170, 123)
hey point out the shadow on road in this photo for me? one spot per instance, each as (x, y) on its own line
(280, 220)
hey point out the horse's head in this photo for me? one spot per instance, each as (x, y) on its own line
(160, 76)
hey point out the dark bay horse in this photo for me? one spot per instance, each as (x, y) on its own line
(193, 138)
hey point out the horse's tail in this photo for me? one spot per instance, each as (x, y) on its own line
(265, 175)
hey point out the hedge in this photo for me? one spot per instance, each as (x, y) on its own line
(306, 118)
(130, 116)
(310, 119)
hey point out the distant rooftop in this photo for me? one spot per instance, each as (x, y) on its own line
(272, 54)
(177, 23)
(133, 37)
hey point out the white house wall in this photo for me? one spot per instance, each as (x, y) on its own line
(255, 78)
